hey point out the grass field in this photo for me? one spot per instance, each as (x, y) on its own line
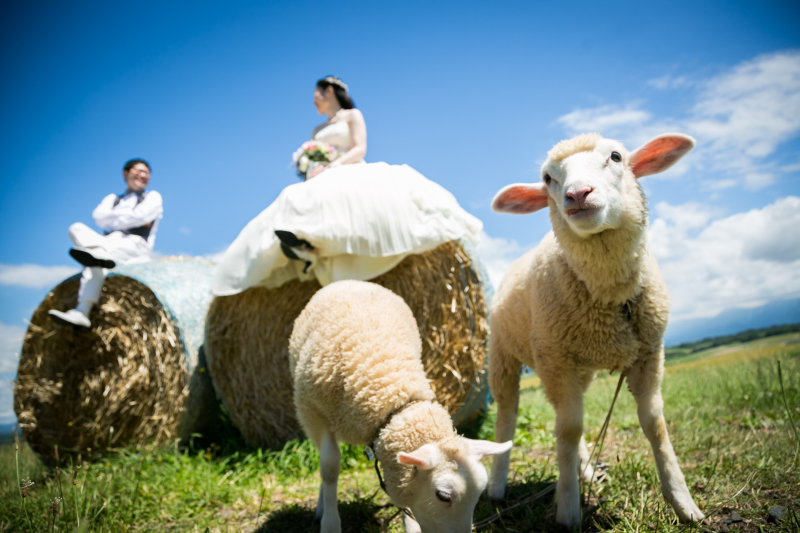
(726, 412)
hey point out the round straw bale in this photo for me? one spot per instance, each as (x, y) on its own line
(137, 375)
(247, 340)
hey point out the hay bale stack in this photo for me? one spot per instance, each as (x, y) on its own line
(247, 340)
(137, 375)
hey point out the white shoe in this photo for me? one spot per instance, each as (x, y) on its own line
(91, 257)
(73, 317)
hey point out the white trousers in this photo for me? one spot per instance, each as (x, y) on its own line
(122, 248)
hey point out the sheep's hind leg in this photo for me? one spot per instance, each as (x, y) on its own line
(329, 463)
(644, 381)
(504, 373)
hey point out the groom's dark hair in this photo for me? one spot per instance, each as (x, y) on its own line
(341, 93)
(133, 162)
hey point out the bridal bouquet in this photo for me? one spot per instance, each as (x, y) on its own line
(312, 152)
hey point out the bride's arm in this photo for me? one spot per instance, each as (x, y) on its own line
(358, 134)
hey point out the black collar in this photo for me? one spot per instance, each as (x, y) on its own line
(628, 307)
(369, 450)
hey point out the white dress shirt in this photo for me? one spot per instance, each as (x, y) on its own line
(130, 213)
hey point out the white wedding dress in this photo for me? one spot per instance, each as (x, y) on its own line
(362, 219)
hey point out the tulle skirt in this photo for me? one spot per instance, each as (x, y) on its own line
(362, 219)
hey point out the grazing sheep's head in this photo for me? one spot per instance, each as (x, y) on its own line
(448, 481)
(587, 177)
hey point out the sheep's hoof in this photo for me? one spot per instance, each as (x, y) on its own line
(689, 513)
(331, 524)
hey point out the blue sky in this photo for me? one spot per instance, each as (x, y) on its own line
(218, 96)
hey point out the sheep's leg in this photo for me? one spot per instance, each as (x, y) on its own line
(504, 374)
(320, 505)
(585, 470)
(644, 381)
(329, 463)
(566, 395)
(504, 428)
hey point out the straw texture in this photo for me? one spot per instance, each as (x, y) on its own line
(247, 338)
(135, 376)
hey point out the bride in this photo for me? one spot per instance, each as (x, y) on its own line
(348, 220)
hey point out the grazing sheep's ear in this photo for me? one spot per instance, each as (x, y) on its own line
(660, 154)
(482, 448)
(520, 198)
(425, 457)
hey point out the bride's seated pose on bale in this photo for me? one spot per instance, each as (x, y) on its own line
(349, 219)
(131, 221)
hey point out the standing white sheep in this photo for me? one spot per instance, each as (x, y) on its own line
(358, 378)
(589, 297)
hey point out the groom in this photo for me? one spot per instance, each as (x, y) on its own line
(131, 220)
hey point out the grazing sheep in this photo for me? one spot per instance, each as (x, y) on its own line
(358, 378)
(589, 297)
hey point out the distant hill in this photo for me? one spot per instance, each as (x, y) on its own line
(7, 432)
(733, 321)
(688, 348)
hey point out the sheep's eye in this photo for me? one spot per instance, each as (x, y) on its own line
(443, 496)
(547, 179)
(615, 157)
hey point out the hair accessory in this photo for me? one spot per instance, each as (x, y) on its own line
(333, 80)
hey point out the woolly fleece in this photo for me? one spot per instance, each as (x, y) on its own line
(577, 304)
(582, 143)
(355, 357)
(560, 307)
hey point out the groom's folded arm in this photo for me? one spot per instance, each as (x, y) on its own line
(125, 217)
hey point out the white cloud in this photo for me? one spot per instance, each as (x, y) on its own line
(742, 260)
(7, 415)
(10, 344)
(739, 118)
(752, 108)
(758, 180)
(604, 118)
(670, 82)
(721, 184)
(184, 230)
(497, 255)
(34, 276)
(215, 257)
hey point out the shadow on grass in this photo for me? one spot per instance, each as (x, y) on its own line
(359, 515)
(519, 512)
(516, 512)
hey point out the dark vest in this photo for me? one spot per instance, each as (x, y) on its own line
(141, 231)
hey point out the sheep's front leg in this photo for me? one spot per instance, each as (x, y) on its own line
(504, 373)
(329, 463)
(504, 429)
(644, 382)
(567, 399)
(585, 470)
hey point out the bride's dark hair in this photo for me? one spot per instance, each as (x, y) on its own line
(339, 89)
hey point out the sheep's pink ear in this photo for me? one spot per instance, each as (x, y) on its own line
(660, 154)
(482, 448)
(425, 457)
(520, 198)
